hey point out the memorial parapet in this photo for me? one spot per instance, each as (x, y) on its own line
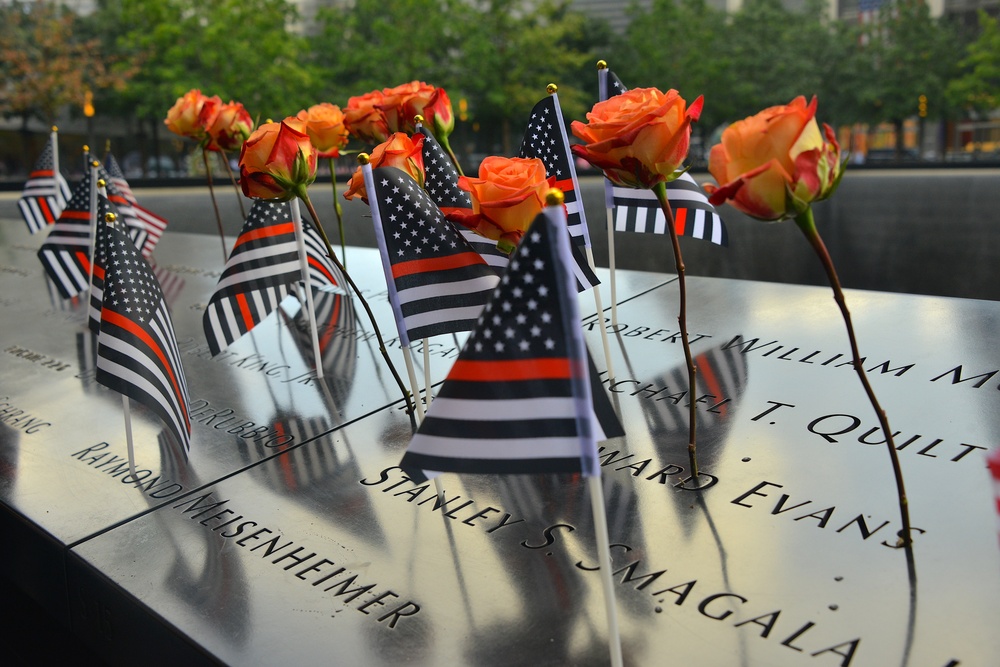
(64, 476)
(781, 552)
(304, 541)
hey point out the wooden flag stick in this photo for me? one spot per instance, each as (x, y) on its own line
(128, 435)
(600, 317)
(604, 561)
(304, 266)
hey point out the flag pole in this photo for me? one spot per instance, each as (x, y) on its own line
(427, 373)
(404, 340)
(604, 562)
(54, 138)
(576, 348)
(304, 266)
(93, 225)
(414, 388)
(602, 95)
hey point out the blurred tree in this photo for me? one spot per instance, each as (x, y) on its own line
(46, 64)
(680, 45)
(912, 55)
(236, 49)
(978, 87)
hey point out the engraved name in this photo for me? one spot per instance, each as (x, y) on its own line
(100, 457)
(15, 417)
(384, 605)
(42, 360)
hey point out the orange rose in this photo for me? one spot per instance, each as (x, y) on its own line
(639, 138)
(402, 103)
(506, 197)
(325, 127)
(278, 161)
(365, 120)
(400, 151)
(184, 118)
(774, 165)
(227, 125)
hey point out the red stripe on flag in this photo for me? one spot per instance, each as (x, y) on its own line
(41, 173)
(435, 264)
(76, 215)
(316, 264)
(99, 271)
(265, 232)
(511, 370)
(680, 221)
(43, 204)
(137, 331)
(566, 185)
(241, 300)
(81, 257)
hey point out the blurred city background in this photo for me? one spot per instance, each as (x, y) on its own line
(902, 81)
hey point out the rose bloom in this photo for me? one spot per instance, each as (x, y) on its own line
(400, 151)
(506, 198)
(277, 161)
(325, 127)
(227, 125)
(402, 104)
(439, 114)
(365, 120)
(639, 138)
(774, 165)
(184, 117)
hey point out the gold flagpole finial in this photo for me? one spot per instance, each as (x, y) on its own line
(418, 119)
(554, 197)
(55, 129)
(552, 88)
(95, 164)
(602, 64)
(86, 148)
(363, 158)
(110, 217)
(101, 183)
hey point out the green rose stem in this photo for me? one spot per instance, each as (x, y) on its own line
(338, 209)
(300, 192)
(660, 189)
(232, 178)
(215, 205)
(451, 154)
(807, 224)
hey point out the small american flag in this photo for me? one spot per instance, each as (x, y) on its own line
(147, 226)
(104, 207)
(65, 254)
(262, 268)
(137, 352)
(441, 183)
(637, 210)
(437, 283)
(546, 139)
(519, 398)
(45, 193)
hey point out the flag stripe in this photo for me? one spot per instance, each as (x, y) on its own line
(459, 260)
(506, 370)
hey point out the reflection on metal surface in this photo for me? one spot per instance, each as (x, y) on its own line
(290, 534)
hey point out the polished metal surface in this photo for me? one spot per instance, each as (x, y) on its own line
(319, 549)
(65, 475)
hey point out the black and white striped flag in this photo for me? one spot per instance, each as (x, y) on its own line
(137, 353)
(262, 268)
(45, 193)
